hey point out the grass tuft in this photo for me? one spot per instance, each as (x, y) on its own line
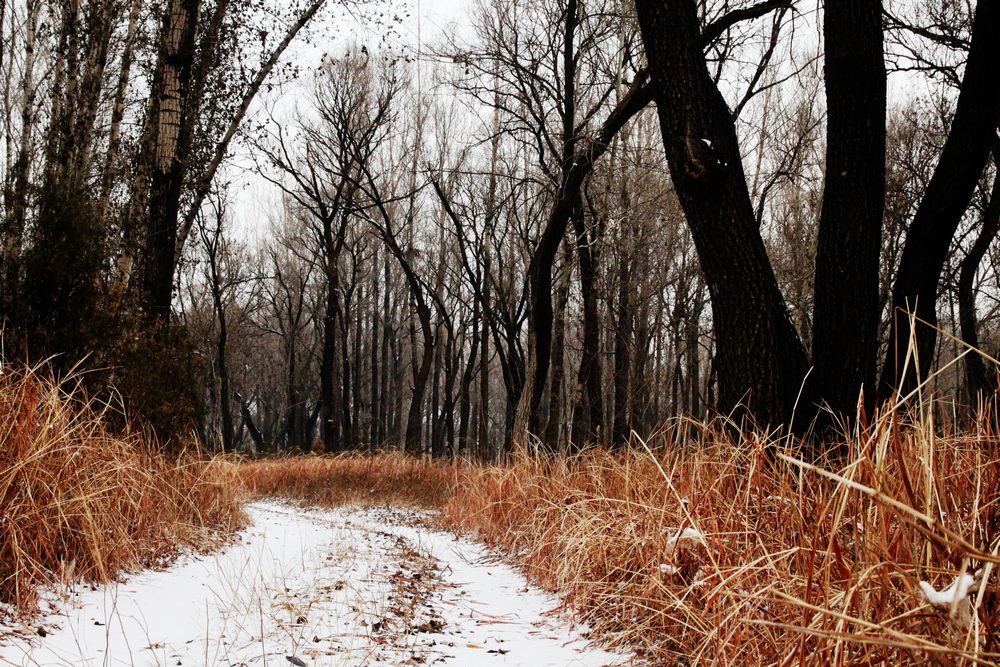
(81, 503)
(799, 565)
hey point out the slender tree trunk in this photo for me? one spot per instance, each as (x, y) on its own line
(484, 370)
(384, 405)
(330, 390)
(623, 354)
(118, 112)
(376, 397)
(979, 380)
(554, 426)
(437, 440)
(17, 205)
(465, 391)
(588, 412)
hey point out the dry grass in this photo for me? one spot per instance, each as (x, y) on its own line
(799, 566)
(391, 478)
(82, 503)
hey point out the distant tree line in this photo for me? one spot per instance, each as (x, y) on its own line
(581, 221)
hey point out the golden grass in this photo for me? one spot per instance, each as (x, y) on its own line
(390, 478)
(82, 503)
(800, 565)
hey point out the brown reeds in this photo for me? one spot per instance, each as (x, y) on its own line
(389, 478)
(734, 551)
(82, 503)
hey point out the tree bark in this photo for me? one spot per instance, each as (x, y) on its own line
(170, 108)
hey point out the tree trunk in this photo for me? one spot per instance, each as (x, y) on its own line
(588, 412)
(169, 116)
(761, 361)
(846, 308)
(553, 428)
(979, 380)
(621, 429)
(484, 370)
(17, 202)
(465, 390)
(118, 113)
(962, 161)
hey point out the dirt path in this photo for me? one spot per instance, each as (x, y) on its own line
(332, 587)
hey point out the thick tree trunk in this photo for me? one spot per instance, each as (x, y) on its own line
(761, 360)
(943, 205)
(170, 109)
(846, 308)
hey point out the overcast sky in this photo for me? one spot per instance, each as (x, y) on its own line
(403, 25)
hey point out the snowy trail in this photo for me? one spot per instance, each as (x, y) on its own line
(330, 587)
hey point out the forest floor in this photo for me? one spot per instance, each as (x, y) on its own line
(340, 586)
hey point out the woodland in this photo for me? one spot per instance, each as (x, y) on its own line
(569, 222)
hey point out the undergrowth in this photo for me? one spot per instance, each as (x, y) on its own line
(392, 478)
(733, 551)
(82, 503)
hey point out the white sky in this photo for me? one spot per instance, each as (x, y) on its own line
(405, 25)
(367, 23)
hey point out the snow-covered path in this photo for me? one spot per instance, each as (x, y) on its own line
(332, 587)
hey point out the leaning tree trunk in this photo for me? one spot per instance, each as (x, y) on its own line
(761, 361)
(962, 161)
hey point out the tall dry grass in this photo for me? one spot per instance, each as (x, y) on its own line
(799, 565)
(82, 503)
(389, 478)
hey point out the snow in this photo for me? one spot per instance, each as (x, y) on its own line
(687, 534)
(347, 586)
(958, 591)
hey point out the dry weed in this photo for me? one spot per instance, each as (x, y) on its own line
(390, 478)
(733, 551)
(82, 503)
